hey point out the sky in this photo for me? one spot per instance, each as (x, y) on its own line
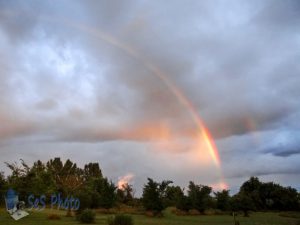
(123, 83)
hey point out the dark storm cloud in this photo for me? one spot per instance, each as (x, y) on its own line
(284, 147)
(286, 153)
(238, 57)
(257, 173)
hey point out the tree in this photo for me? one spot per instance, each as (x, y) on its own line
(92, 171)
(2, 186)
(68, 178)
(153, 195)
(242, 202)
(199, 196)
(285, 198)
(41, 179)
(107, 194)
(183, 202)
(252, 189)
(125, 194)
(222, 200)
(20, 179)
(172, 195)
(269, 195)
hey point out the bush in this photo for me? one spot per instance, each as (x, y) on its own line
(87, 216)
(194, 212)
(53, 216)
(120, 220)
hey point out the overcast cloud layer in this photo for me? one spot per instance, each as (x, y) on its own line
(71, 85)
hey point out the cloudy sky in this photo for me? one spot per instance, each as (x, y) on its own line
(100, 81)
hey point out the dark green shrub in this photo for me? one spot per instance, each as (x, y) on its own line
(120, 220)
(87, 216)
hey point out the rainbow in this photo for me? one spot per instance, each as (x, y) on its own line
(163, 77)
(202, 129)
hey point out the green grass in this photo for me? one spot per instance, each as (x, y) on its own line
(266, 218)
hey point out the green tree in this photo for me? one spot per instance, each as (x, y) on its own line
(93, 181)
(125, 194)
(2, 186)
(153, 195)
(252, 189)
(199, 196)
(107, 194)
(172, 195)
(222, 200)
(41, 180)
(183, 202)
(270, 195)
(92, 171)
(20, 179)
(67, 176)
(242, 202)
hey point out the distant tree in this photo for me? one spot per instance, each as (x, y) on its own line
(242, 202)
(269, 195)
(222, 200)
(68, 177)
(298, 199)
(107, 194)
(153, 195)
(125, 194)
(41, 179)
(92, 171)
(252, 189)
(20, 179)
(86, 199)
(2, 186)
(285, 198)
(183, 202)
(93, 182)
(199, 196)
(172, 195)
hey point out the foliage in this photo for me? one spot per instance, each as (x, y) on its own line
(222, 200)
(2, 187)
(120, 220)
(107, 193)
(94, 190)
(92, 170)
(154, 194)
(56, 176)
(270, 196)
(243, 202)
(125, 194)
(199, 196)
(87, 216)
(151, 196)
(183, 202)
(172, 195)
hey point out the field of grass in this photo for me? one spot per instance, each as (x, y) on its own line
(37, 218)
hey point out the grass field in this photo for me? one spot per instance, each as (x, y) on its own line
(37, 218)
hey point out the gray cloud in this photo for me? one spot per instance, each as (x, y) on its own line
(69, 75)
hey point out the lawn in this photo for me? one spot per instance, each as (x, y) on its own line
(36, 218)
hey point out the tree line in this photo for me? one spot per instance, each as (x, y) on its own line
(96, 191)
